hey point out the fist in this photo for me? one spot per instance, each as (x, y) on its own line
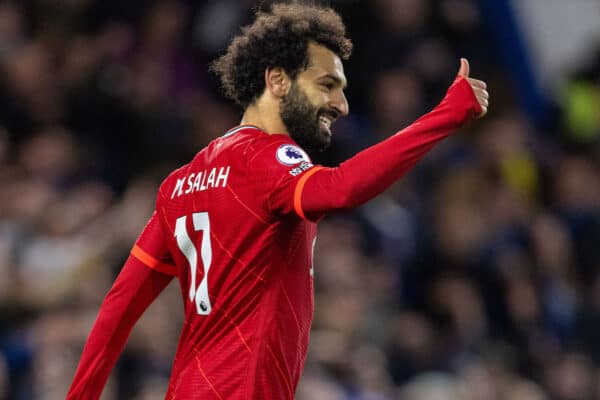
(479, 87)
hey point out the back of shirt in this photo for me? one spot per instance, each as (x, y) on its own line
(226, 225)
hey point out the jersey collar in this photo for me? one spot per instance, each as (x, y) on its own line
(238, 128)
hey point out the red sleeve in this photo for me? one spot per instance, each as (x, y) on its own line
(276, 168)
(133, 291)
(373, 170)
(151, 246)
(147, 271)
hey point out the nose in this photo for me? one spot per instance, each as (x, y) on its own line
(340, 103)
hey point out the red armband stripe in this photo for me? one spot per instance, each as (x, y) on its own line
(299, 188)
(152, 262)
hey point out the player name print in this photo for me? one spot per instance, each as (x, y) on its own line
(288, 154)
(200, 181)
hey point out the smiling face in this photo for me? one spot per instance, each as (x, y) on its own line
(315, 99)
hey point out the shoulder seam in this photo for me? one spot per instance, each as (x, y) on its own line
(276, 141)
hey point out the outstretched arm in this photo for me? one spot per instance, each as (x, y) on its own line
(134, 290)
(370, 172)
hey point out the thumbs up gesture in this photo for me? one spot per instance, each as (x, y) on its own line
(479, 87)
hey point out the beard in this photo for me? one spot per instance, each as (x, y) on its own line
(301, 119)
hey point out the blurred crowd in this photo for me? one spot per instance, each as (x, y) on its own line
(473, 278)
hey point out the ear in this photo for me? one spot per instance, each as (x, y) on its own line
(277, 81)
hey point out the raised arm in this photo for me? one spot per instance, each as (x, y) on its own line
(370, 172)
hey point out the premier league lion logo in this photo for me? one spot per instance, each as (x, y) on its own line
(288, 154)
(293, 153)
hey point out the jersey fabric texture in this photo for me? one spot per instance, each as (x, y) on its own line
(236, 227)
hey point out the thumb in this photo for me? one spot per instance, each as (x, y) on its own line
(463, 71)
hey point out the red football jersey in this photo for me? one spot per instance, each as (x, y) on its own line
(231, 226)
(226, 226)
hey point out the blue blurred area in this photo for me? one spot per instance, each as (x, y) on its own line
(508, 38)
(474, 277)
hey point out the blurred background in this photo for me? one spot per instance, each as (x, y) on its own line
(473, 278)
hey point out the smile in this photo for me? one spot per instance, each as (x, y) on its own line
(326, 121)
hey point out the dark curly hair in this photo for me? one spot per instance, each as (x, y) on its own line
(277, 39)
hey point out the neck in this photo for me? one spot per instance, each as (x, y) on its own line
(264, 114)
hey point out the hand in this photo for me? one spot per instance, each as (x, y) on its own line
(478, 87)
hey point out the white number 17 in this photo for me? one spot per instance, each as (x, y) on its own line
(201, 223)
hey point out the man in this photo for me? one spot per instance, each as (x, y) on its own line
(236, 225)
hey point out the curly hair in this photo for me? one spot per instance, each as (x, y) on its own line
(277, 39)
